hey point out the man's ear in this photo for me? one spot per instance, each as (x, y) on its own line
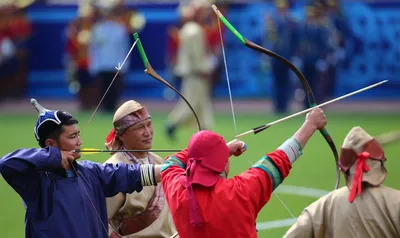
(51, 142)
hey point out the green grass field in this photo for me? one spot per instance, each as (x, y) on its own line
(315, 169)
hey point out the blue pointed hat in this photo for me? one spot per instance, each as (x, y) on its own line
(48, 121)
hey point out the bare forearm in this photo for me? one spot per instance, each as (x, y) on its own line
(304, 133)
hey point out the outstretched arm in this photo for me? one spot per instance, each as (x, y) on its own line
(315, 120)
(124, 178)
(260, 181)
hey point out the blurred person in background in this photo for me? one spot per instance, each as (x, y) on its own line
(345, 44)
(104, 56)
(314, 47)
(326, 64)
(132, 19)
(282, 32)
(20, 29)
(8, 64)
(79, 34)
(204, 203)
(194, 64)
(144, 214)
(362, 208)
(213, 34)
(170, 60)
(15, 31)
(172, 54)
(62, 197)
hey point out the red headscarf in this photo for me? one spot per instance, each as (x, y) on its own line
(208, 156)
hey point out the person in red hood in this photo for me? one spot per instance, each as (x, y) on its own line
(204, 203)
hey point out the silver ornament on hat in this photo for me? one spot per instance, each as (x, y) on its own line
(38, 107)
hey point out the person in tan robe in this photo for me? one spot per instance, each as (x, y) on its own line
(362, 208)
(144, 214)
(195, 65)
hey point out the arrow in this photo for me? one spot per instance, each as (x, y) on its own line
(90, 151)
(263, 127)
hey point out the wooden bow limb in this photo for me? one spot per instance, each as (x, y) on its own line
(150, 71)
(300, 76)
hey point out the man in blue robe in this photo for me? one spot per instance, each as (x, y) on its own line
(64, 198)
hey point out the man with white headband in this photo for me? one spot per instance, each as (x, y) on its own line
(144, 214)
(64, 198)
(362, 208)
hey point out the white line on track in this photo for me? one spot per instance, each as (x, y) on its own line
(290, 190)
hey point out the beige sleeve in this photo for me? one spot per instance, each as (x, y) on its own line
(302, 228)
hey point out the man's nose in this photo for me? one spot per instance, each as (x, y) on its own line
(79, 142)
(147, 130)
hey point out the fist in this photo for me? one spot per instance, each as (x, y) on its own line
(67, 157)
(236, 147)
(316, 118)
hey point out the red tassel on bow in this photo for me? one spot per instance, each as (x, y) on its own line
(110, 138)
(361, 167)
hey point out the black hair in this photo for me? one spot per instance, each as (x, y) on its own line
(55, 135)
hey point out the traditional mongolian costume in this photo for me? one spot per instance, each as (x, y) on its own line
(62, 203)
(144, 214)
(362, 208)
(204, 203)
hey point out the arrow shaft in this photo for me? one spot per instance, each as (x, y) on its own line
(100, 151)
(310, 109)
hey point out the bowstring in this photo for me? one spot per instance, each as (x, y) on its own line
(228, 80)
(227, 76)
(119, 68)
(92, 203)
(233, 111)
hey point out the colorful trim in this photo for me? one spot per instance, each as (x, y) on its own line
(224, 175)
(268, 166)
(172, 161)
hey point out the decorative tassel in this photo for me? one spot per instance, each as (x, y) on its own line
(195, 216)
(110, 139)
(361, 167)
